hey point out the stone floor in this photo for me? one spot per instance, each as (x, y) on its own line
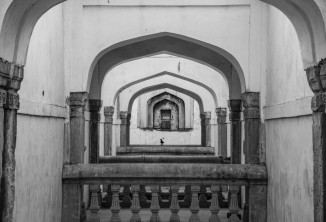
(125, 215)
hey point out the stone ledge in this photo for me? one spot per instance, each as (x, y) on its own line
(41, 109)
(165, 150)
(300, 107)
(161, 159)
(165, 174)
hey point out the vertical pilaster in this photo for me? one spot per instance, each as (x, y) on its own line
(94, 129)
(123, 128)
(316, 76)
(235, 124)
(108, 114)
(222, 131)
(251, 113)
(9, 139)
(72, 193)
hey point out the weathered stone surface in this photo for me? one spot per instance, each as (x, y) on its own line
(165, 173)
(108, 113)
(123, 128)
(165, 150)
(258, 203)
(161, 159)
(222, 131)
(235, 109)
(77, 104)
(252, 127)
(94, 131)
(205, 129)
(71, 202)
(319, 150)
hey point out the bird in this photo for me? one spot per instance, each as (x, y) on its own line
(162, 142)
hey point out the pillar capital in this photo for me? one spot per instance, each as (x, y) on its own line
(95, 106)
(123, 117)
(316, 76)
(77, 103)
(108, 114)
(235, 109)
(250, 101)
(221, 115)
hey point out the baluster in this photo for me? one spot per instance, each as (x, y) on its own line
(215, 207)
(234, 204)
(126, 201)
(142, 197)
(203, 203)
(94, 207)
(155, 207)
(174, 204)
(135, 206)
(187, 199)
(194, 207)
(115, 207)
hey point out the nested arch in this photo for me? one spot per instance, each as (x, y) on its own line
(152, 102)
(163, 86)
(169, 119)
(168, 43)
(210, 90)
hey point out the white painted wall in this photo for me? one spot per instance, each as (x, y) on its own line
(243, 41)
(40, 133)
(288, 140)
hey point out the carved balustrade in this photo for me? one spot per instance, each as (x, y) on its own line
(137, 178)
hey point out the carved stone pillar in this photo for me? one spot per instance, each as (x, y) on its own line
(11, 105)
(251, 113)
(123, 128)
(3, 99)
(235, 124)
(72, 193)
(205, 129)
(317, 81)
(94, 129)
(222, 132)
(108, 113)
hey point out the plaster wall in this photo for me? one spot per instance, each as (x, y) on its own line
(162, 65)
(289, 155)
(135, 20)
(40, 127)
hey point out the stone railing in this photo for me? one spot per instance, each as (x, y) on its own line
(134, 176)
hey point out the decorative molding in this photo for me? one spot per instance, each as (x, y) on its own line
(95, 105)
(250, 102)
(12, 102)
(123, 117)
(221, 115)
(235, 109)
(316, 76)
(108, 114)
(77, 103)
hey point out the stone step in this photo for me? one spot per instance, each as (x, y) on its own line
(166, 150)
(161, 159)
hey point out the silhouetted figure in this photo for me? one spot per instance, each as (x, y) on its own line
(162, 142)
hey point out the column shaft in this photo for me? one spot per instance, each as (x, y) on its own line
(94, 129)
(9, 116)
(222, 132)
(123, 128)
(72, 193)
(108, 113)
(235, 125)
(251, 114)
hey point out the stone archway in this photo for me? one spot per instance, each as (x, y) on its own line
(152, 103)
